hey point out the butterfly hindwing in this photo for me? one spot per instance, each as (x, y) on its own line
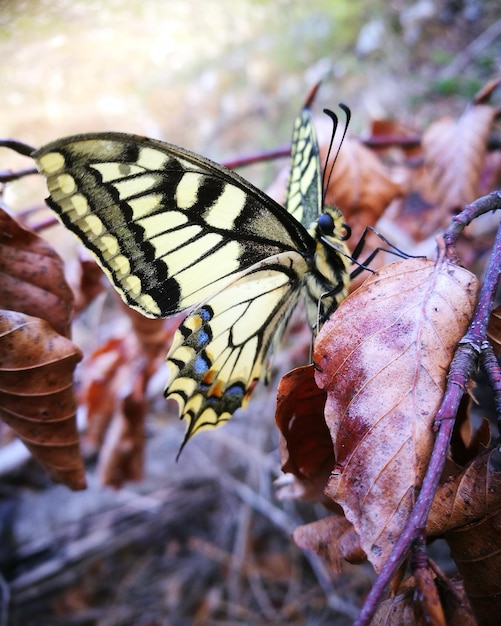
(304, 191)
(221, 348)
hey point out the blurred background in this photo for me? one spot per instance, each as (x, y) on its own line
(204, 540)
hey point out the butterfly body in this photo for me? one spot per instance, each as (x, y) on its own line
(173, 231)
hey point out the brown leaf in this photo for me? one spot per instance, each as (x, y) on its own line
(31, 276)
(122, 455)
(88, 279)
(114, 379)
(404, 607)
(154, 335)
(475, 550)
(383, 360)
(104, 373)
(454, 154)
(467, 497)
(361, 185)
(36, 394)
(466, 510)
(305, 446)
(333, 538)
(391, 135)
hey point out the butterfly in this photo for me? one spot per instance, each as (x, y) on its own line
(175, 231)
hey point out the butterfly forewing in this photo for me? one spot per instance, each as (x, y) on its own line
(168, 227)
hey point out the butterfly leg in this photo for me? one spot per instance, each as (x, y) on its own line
(364, 265)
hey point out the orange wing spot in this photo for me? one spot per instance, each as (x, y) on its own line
(249, 391)
(209, 378)
(217, 390)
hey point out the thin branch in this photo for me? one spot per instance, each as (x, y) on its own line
(8, 176)
(472, 50)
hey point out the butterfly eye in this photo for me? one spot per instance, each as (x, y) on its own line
(326, 224)
(347, 232)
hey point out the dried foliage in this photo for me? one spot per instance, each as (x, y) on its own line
(358, 430)
(37, 358)
(383, 361)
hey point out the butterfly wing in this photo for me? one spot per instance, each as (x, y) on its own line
(221, 348)
(304, 191)
(169, 227)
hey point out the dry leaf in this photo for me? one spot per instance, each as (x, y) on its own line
(305, 446)
(104, 373)
(390, 135)
(114, 380)
(88, 279)
(454, 154)
(333, 538)
(383, 360)
(403, 607)
(36, 394)
(122, 455)
(31, 276)
(467, 511)
(154, 335)
(476, 552)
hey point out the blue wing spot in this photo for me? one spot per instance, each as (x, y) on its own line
(202, 338)
(206, 313)
(235, 390)
(201, 365)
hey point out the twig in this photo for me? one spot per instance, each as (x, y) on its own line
(8, 176)
(4, 601)
(485, 204)
(493, 371)
(18, 146)
(461, 368)
(473, 49)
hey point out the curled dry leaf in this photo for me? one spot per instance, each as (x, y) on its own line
(401, 607)
(467, 511)
(106, 379)
(333, 538)
(36, 394)
(122, 455)
(383, 360)
(31, 276)
(114, 380)
(87, 279)
(154, 335)
(305, 446)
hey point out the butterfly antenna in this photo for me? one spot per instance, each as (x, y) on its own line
(335, 123)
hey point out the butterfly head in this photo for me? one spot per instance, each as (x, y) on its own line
(331, 229)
